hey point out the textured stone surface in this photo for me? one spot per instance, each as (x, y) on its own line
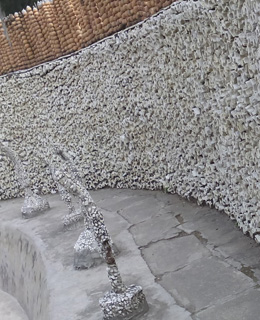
(141, 210)
(217, 231)
(10, 308)
(74, 294)
(203, 282)
(22, 271)
(154, 229)
(86, 253)
(170, 255)
(244, 307)
(127, 305)
(171, 103)
(33, 206)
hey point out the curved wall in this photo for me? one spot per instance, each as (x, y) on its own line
(22, 272)
(171, 103)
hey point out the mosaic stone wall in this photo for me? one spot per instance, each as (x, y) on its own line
(172, 103)
(53, 28)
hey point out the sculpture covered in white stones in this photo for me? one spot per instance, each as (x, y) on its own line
(33, 204)
(86, 254)
(61, 161)
(121, 302)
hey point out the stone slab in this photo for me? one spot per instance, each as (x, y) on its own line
(119, 202)
(244, 307)
(242, 249)
(105, 194)
(142, 210)
(214, 226)
(220, 231)
(155, 229)
(170, 255)
(205, 282)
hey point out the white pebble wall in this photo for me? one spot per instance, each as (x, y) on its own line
(171, 103)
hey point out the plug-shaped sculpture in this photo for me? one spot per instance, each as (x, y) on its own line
(33, 203)
(121, 302)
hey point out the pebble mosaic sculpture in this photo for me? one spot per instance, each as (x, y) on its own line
(86, 248)
(122, 302)
(86, 253)
(60, 160)
(33, 203)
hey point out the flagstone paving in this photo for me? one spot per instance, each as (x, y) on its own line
(192, 261)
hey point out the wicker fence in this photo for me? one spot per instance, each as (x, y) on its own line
(55, 28)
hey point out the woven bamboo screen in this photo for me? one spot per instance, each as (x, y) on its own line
(55, 28)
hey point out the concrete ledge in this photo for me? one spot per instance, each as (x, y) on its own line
(37, 267)
(10, 308)
(22, 270)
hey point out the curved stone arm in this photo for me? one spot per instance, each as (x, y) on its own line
(59, 160)
(65, 196)
(121, 302)
(64, 157)
(91, 213)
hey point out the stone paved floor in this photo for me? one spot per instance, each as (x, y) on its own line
(196, 253)
(192, 261)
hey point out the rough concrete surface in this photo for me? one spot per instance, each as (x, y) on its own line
(192, 261)
(10, 309)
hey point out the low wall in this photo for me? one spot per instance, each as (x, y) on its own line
(22, 272)
(171, 103)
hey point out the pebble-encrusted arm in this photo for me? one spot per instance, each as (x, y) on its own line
(91, 212)
(65, 196)
(60, 161)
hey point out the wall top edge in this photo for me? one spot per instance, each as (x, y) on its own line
(175, 8)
